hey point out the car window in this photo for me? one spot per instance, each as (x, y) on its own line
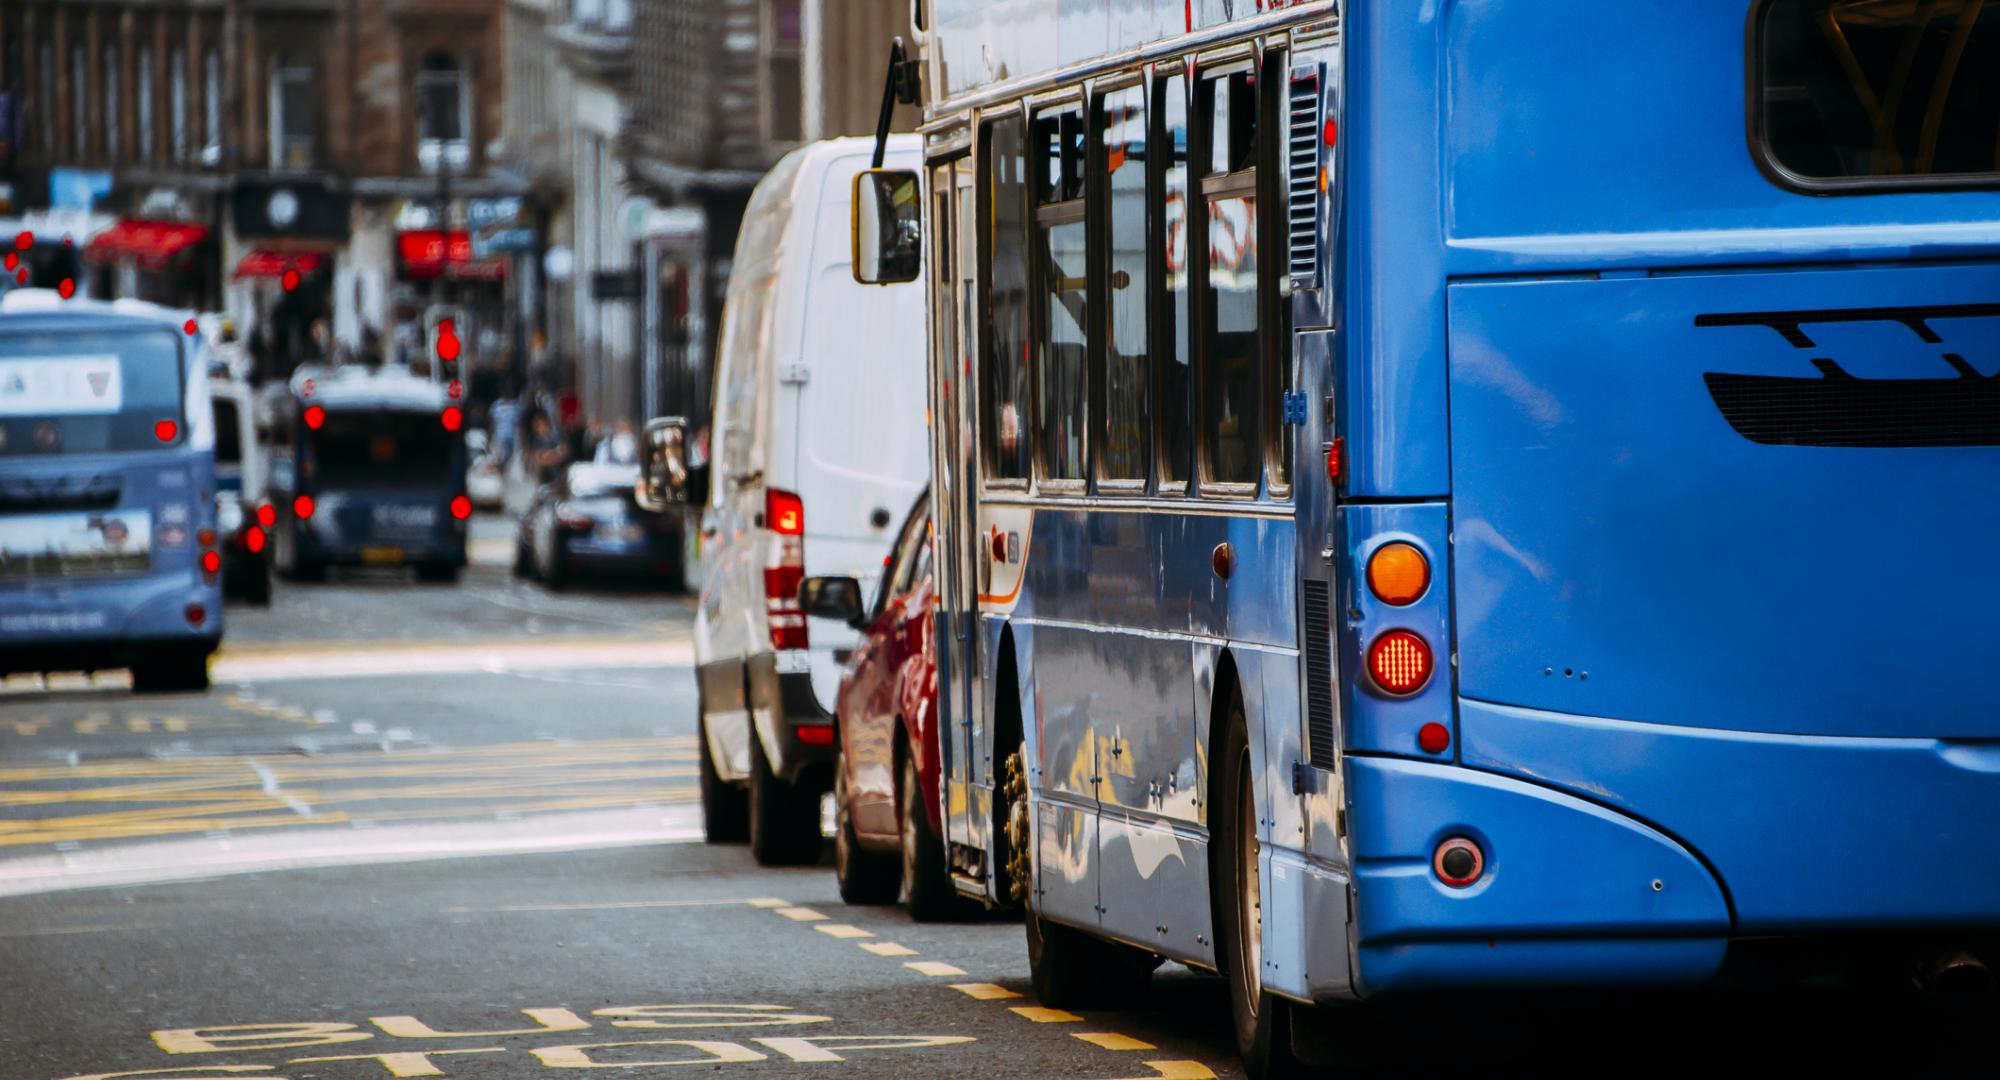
(910, 542)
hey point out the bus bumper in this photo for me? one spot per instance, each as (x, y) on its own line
(1572, 893)
(1809, 834)
(99, 625)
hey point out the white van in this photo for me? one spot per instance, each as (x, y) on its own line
(243, 515)
(818, 446)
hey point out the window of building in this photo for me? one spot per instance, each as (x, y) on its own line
(142, 94)
(1232, 345)
(1878, 92)
(1062, 315)
(292, 114)
(1123, 452)
(79, 92)
(45, 80)
(111, 130)
(444, 116)
(177, 103)
(784, 85)
(211, 99)
(1174, 382)
(1004, 396)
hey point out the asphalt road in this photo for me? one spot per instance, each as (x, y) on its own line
(450, 831)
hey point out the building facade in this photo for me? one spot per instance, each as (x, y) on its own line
(287, 162)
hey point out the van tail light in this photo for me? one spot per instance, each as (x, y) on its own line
(1400, 662)
(461, 507)
(267, 515)
(253, 539)
(784, 513)
(302, 507)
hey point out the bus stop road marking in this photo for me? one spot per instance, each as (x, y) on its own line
(842, 930)
(1111, 1040)
(985, 991)
(887, 948)
(1042, 1015)
(933, 968)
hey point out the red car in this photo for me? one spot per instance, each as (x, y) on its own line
(886, 772)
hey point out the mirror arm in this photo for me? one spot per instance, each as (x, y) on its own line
(899, 84)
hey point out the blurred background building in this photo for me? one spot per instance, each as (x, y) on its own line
(566, 177)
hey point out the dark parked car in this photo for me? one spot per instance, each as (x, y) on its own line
(887, 842)
(585, 522)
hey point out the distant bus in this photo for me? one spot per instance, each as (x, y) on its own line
(1463, 495)
(368, 470)
(108, 548)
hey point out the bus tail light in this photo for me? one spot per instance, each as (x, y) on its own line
(165, 430)
(302, 507)
(1400, 662)
(461, 507)
(253, 539)
(315, 416)
(1458, 862)
(453, 418)
(196, 614)
(1398, 573)
(211, 563)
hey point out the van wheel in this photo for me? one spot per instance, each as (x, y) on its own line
(865, 877)
(784, 818)
(926, 879)
(177, 673)
(1066, 966)
(1262, 1022)
(725, 813)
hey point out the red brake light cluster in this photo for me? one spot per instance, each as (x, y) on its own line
(267, 515)
(461, 507)
(165, 430)
(784, 513)
(1400, 662)
(302, 507)
(453, 418)
(785, 570)
(315, 416)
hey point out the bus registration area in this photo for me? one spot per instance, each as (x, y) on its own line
(621, 1037)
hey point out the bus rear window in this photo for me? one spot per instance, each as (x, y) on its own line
(1879, 93)
(381, 451)
(228, 435)
(89, 391)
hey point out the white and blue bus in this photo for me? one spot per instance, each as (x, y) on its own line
(108, 547)
(1477, 494)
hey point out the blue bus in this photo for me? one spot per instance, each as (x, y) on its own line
(368, 469)
(108, 553)
(1481, 494)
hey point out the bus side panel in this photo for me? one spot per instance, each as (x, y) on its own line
(1062, 766)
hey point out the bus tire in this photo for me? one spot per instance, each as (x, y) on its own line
(784, 818)
(725, 810)
(926, 879)
(1262, 1022)
(182, 672)
(865, 877)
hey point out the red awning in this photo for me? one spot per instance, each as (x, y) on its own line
(270, 264)
(152, 244)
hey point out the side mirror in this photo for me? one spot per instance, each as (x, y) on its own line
(887, 226)
(663, 472)
(832, 598)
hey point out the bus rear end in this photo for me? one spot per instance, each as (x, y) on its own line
(1723, 462)
(107, 491)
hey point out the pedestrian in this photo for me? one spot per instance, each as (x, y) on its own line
(548, 452)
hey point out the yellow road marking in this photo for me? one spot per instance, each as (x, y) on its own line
(1042, 1015)
(984, 991)
(1112, 1041)
(888, 948)
(1177, 1070)
(138, 725)
(769, 902)
(800, 914)
(842, 931)
(933, 967)
(615, 905)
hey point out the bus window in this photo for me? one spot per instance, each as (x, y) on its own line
(1879, 89)
(81, 391)
(1231, 341)
(381, 451)
(1173, 394)
(1062, 310)
(228, 435)
(1122, 120)
(1005, 383)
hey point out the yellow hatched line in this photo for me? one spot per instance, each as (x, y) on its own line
(170, 828)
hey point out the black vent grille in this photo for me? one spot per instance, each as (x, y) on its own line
(1319, 675)
(1302, 179)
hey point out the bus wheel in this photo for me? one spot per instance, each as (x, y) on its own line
(725, 815)
(926, 880)
(176, 673)
(865, 877)
(1066, 966)
(784, 818)
(1262, 1022)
